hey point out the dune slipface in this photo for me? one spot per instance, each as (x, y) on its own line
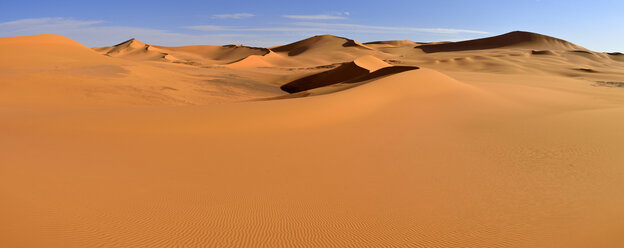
(361, 69)
(508, 141)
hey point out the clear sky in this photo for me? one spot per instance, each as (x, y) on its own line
(597, 24)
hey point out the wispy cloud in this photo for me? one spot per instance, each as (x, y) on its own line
(46, 23)
(316, 17)
(233, 16)
(384, 29)
(334, 28)
(209, 28)
(101, 33)
(97, 33)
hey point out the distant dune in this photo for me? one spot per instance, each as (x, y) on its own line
(318, 43)
(513, 39)
(194, 55)
(508, 141)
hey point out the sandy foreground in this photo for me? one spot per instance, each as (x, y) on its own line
(509, 141)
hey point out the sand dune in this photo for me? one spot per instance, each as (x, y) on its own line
(508, 141)
(134, 49)
(319, 50)
(51, 71)
(192, 55)
(513, 39)
(318, 43)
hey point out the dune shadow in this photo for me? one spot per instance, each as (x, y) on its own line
(346, 73)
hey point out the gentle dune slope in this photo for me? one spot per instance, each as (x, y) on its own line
(22, 52)
(383, 145)
(427, 172)
(513, 39)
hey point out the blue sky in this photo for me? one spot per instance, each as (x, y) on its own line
(597, 25)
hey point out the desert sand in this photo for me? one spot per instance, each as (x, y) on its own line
(508, 141)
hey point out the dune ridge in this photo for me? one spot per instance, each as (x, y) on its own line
(512, 39)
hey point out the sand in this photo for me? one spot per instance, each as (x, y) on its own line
(420, 145)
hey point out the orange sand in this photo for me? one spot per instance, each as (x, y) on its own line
(503, 142)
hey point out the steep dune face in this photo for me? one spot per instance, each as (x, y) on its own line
(344, 72)
(361, 69)
(517, 39)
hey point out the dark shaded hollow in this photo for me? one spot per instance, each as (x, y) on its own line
(340, 74)
(542, 52)
(586, 70)
(581, 51)
(346, 73)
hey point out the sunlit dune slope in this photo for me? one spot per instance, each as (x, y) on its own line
(509, 141)
(193, 55)
(53, 71)
(316, 43)
(319, 50)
